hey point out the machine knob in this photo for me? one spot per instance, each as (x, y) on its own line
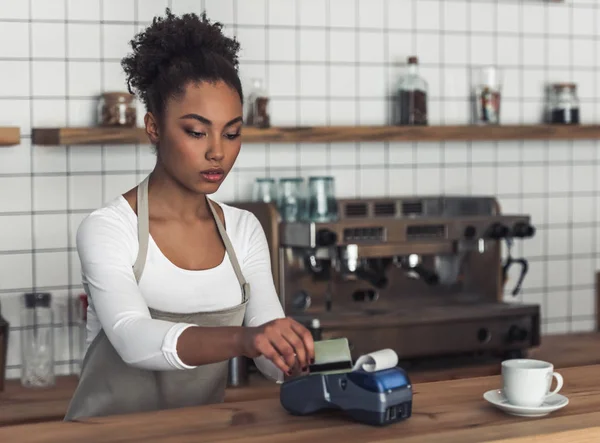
(498, 230)
(470, 231)
(484, 335)
(523, 230)
(301, 301)
(516, 334)
(325, 237)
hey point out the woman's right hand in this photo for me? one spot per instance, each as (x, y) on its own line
(284, 341)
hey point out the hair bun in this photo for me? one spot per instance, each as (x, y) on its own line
(170, 40)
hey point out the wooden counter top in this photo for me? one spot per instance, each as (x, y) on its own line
(19, 405)
(446, 411)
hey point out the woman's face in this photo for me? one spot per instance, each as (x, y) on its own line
(200, 136)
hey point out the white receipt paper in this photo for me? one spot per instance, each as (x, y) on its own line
(377, 361)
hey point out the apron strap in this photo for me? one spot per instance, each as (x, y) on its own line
(143, 228)
(230, 251)
(144, 236)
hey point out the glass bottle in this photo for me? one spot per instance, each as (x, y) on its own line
(81, 320)
(412, 96)
(3, 349)
(258, 106)
(564, 104)
(37, 341)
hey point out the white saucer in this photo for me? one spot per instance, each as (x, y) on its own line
(551, 404)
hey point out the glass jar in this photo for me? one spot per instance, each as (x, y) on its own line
(322, 205)
(292, 199)
(411, 106)
(488, 90)
(117, 109)
(264, 190)
(3, 349)
(563, 104)
(37, 341)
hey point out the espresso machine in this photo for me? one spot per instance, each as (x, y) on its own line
(423, 276)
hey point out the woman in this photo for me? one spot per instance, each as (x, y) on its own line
(177, 284)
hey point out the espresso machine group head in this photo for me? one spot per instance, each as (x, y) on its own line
(421, 275)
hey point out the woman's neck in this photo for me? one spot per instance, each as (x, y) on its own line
(173, 200)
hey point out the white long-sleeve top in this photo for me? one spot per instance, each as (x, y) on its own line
(107, 245)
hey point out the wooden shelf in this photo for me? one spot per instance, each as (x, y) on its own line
(10, 136)
(87, 136)
(332, 134)
(420, 133)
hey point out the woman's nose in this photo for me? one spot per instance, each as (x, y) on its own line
(215, 150)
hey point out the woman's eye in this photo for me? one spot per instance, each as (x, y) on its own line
(232, 136)
(196, 134)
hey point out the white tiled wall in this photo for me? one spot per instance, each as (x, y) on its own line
(325, 62)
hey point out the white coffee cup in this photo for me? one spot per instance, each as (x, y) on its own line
(527, 382)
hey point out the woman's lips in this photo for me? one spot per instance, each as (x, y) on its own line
(213, 175)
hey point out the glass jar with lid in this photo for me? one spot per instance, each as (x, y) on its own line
(117, 109)
(563, 104)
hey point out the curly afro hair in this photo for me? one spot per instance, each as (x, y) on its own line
(173, 51)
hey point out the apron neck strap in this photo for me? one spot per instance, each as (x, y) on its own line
(143, 228)
(228, 246)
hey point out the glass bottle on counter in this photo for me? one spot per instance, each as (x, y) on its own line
(411, 101)
(258, 106)
(37, 341)
(81, 320)
(3, 349)
(563, 104)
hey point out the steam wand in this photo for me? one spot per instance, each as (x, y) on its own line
(511, 261)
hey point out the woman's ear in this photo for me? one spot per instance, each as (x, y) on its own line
(151, 128)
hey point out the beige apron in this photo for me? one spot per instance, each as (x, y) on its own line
(109, 386)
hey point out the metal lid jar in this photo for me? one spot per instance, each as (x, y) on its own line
(117, 109)
(563, 104)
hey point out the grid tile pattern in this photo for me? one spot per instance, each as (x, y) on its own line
(324, 62)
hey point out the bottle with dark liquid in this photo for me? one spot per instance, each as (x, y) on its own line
(3, 349)
(564, 104)
(411, 108)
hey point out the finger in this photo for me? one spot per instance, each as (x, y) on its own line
(284, 349)
(307, 339)
(296, 342)
(271, 353)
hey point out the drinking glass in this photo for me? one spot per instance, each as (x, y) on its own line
(265, 191)
(292, 199)
(322, 206)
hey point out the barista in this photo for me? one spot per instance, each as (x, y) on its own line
(177, 283)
